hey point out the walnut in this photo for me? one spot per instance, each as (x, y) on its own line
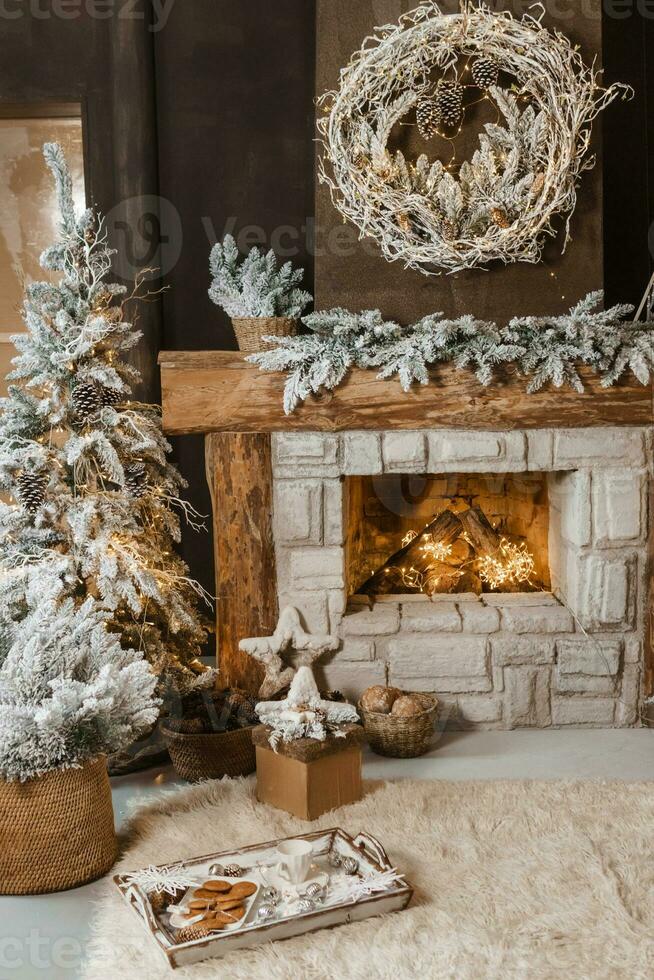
(379, 699)
(406, 707)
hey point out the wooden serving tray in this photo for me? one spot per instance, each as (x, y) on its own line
(366, 849)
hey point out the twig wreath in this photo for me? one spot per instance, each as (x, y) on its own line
(501, 204)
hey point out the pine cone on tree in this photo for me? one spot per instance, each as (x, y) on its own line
(449, 101)
(485, 72)
(110, 397)
(86, 401)
(136, 483)
(428, 118)
(30, 490)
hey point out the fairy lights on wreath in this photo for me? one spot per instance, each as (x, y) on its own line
(499, 205)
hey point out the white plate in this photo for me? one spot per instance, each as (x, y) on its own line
(177, 920)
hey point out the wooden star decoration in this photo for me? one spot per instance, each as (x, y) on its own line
(289, 636)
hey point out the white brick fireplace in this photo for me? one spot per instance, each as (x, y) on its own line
(573, 656)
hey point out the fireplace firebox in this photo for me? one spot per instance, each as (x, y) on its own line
(451, 533)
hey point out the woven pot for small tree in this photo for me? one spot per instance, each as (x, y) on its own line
(199, 757)
(398, 737)
(250, 330)
(56, 832)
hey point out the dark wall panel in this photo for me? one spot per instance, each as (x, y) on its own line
(628, 185)
(235, 86)
(106, 64)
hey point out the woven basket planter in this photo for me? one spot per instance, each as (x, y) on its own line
(401, 738)
(250, 330)
(57, 831)
(198, 757)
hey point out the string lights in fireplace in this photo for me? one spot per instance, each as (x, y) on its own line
(513, 566)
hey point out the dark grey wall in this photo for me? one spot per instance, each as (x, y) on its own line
(106, 64)
(235, 88)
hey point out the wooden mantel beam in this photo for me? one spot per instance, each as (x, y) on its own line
(218, 391)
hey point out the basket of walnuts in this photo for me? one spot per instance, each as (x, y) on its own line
(398, 723)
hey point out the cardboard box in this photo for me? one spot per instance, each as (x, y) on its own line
(307, 789)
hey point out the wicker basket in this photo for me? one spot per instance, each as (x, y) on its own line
(249, 331)
(57, 831)
(401, 738)
(198, 757)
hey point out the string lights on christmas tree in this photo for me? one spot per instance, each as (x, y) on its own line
(93, 501)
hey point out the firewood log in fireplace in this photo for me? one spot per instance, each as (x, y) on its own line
(445, 530)
(480, 532)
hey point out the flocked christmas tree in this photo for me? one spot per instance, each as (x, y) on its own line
(93, 501)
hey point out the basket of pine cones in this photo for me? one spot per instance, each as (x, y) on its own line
(213, 736)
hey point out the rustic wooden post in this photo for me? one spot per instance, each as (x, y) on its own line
(239, 473)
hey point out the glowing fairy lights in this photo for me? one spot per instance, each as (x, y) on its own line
(513, 566)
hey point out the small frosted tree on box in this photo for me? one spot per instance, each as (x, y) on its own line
(92, 500)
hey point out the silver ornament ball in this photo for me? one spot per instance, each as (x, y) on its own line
(334, 859)
(314, 891)
(350, 866)
(305, 905)
(266, 912)
(270, 895)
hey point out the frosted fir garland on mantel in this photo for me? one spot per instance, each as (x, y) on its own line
(544, 349)
(501, 204)
(92, 502)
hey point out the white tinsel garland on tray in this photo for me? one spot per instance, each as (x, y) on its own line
(501, 204)
(544, 349)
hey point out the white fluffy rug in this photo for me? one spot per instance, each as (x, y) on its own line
(514, 881)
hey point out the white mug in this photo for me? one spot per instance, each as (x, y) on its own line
(295, 861)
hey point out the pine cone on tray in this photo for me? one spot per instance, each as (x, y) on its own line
(30, 490)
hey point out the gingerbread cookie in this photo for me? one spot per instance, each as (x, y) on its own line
(242, 889)
(227, 903)
(201, 904)
(216, 886)
(223, 919)
(204, 893)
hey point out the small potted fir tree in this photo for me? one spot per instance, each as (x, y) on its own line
(261, 299)
(69, 696)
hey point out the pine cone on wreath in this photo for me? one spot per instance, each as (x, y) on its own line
(136, 483)
(86, 401)
(485, 72)
(428, 118)
(30, 490)
(449, 101)
(501, 218)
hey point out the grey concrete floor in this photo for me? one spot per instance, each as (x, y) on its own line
(45, 937)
